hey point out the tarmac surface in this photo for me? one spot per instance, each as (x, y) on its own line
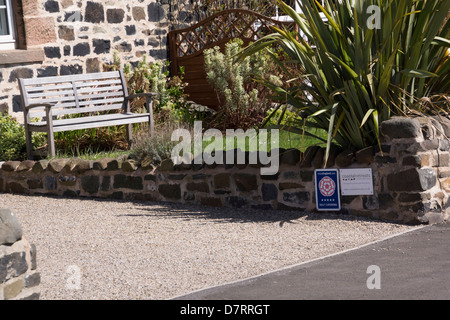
(410, 266)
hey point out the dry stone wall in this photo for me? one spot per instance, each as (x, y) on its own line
(79, 36)
(411, 177)
(19, 278)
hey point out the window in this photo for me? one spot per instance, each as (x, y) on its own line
(7, 34)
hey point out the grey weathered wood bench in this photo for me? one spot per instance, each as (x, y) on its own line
(73, 102)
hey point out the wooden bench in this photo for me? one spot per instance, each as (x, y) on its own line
(74, 102)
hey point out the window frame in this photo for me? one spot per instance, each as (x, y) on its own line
(8, 42)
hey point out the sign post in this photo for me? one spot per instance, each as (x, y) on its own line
(327, 190)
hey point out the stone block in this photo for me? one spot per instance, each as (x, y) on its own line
(106, 183)
(166, 165)
(345, 158)
(10, 229)
(52, 52)
(114, 164)
(115, 16)
(412, 180)
(10, 166)
(290, 185)
(40, 166)
(269, 192)
(81, 49)
(32, 279)
(170, 191)
(318, 160)
(56, 165)
(245, 182)
(13, 288)
(211, 202)
(26, 165)
(198, 187)
(66, 33)
(236, 202)
(129, 166)
(299, 197)
(290, 157)
(222, 180)
(90, 184)
(101, 164)
(13, 264)
(35, 184)
(101, 46)
(51, 6)
(401, 127)
(51, 183)
(138, 13)
(94, 13)
(129, 182)
(308, 156)
(15, 187)
(67, 180)
(156, 12)
(40, 31)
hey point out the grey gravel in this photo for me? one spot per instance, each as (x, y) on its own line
(143, 250)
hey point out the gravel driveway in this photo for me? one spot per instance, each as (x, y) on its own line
(99, 249)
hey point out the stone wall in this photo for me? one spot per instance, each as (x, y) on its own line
(19, 279)
(71, 37)
(411, 178)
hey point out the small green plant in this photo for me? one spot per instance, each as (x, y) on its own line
(170, 102)
(154, 148)
(243, 101)
(12, 142)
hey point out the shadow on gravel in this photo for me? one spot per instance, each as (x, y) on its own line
(220, 214)
(225, 214)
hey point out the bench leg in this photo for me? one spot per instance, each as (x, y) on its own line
(51, 143)
(129, 128)
(29, 143)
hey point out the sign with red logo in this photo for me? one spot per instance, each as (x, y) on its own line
(327, 190)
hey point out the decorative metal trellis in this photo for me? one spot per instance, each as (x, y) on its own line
(187, 46)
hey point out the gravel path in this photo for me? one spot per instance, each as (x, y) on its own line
(143, 250)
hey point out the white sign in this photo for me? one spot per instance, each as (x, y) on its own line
(356, 182)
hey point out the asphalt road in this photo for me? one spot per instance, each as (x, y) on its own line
(411, 266)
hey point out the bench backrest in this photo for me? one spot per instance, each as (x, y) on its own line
(72, 94)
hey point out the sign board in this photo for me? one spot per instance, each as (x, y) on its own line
(356, 182)
(327, 190)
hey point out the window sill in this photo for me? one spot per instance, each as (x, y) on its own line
(21, 56)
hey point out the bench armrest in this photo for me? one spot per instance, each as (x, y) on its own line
(138, 95)
(35, 105)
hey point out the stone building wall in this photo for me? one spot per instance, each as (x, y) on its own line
(411, 178)
(19, 278)
(71, 37)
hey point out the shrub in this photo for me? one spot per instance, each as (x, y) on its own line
(358, 76)
(243, 101)
(154, 148)
(13, 142)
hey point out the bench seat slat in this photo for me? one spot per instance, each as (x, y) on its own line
(81, 97)
(79, 77)
(40, 112)
(91, 122)
(68, 85)
(83, 90)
